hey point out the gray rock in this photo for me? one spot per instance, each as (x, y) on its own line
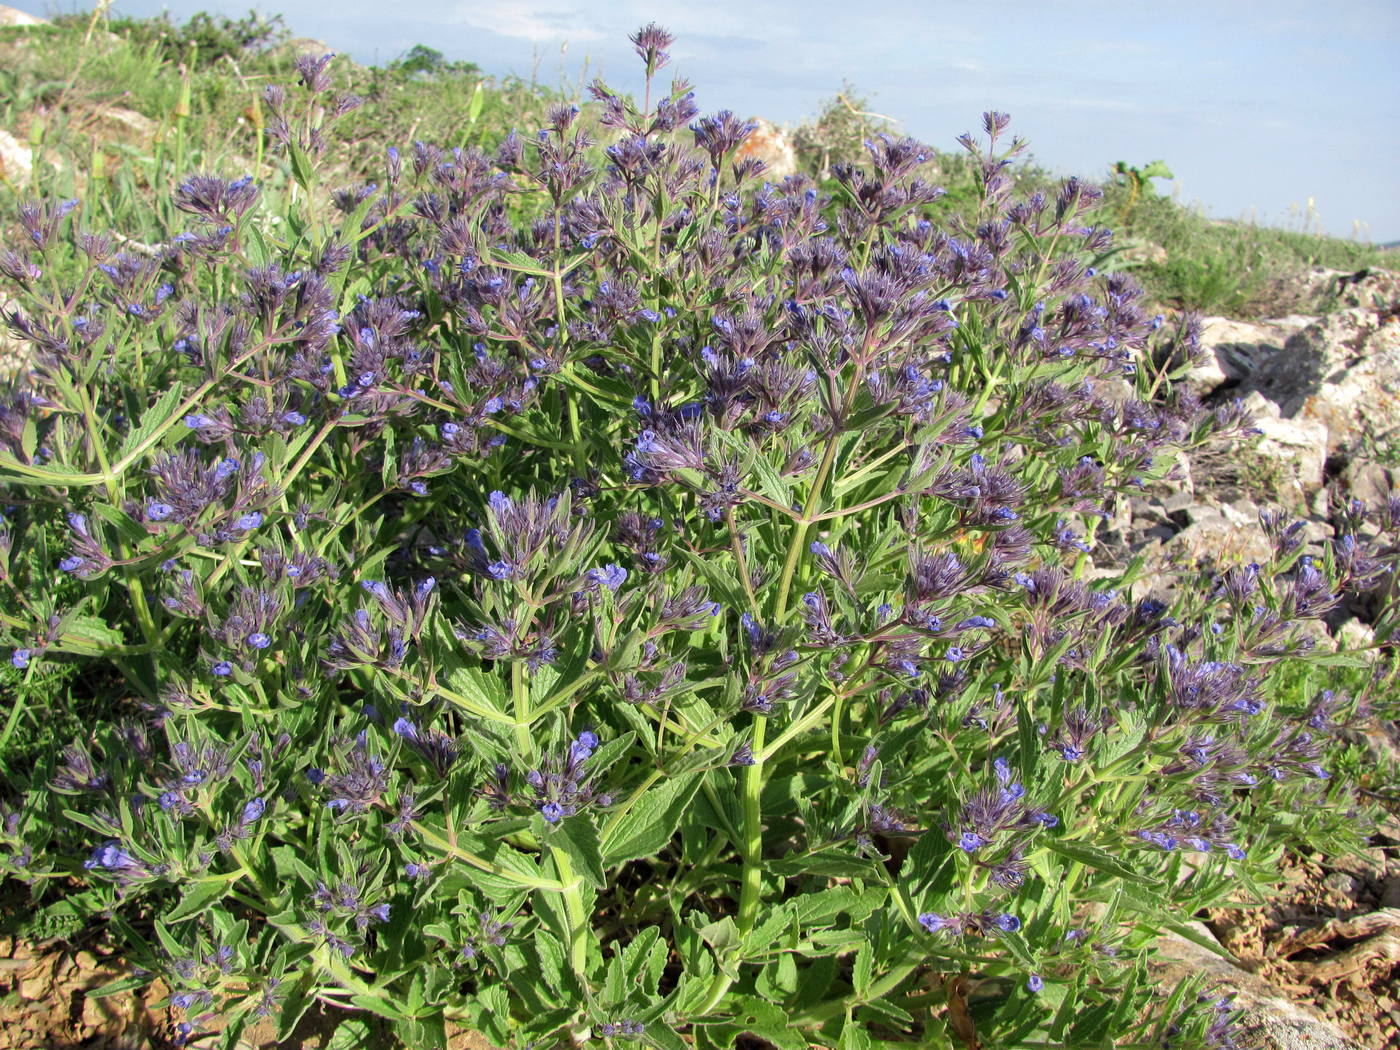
(1234, 351)
(1269, 1020)
(1369, 482)
(1343, 371)
(1299, 446)
(1367, 289)
(1219, 540)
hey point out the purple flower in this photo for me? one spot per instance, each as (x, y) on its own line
(1034, 983)
(21, 657)
(222, 669)
(253, 811)
(258, 640)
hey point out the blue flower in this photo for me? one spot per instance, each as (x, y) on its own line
(933, 922)
(254, 810)
(610, 576)
(21, 657)
(1035, 983)
(258, 640)
(223, 668)
(159, 511)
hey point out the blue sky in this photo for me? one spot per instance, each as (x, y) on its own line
(1255, 106)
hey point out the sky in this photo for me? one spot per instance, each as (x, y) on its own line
(1258, 108)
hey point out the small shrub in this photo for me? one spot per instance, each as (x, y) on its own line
(663, 616)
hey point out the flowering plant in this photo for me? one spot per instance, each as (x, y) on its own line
(599, 595)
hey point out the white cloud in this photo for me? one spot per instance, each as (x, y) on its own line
(524, 20)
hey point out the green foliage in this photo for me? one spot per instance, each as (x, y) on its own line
(547, 593)
(204, 39)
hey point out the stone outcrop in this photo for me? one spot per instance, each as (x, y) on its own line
(771, 145)
(11, 17)
(1342, 371)
(16, 159)
(1269, 1018)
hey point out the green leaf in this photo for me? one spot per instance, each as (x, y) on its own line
(1099, 860)
(577, 838)
(645, 829)
(478, 100)
(154, 421)
(123, 984)
(832, 863)
(301, 166)
(767, 1021)
(197, 897)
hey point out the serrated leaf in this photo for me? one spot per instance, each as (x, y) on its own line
(550, 954)
(645, 829)
(832, 863)
(158, 416)
(577, 838)
(199, 895)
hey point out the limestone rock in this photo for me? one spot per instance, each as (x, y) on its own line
(1300, 445)
(305, 45)
(771, 145)
(1368, 289)
(11, 16)
(1342, 371)
(1269, 1020)
(1370, 482)
(16, 159)
(1233, 351)
(1222, 538)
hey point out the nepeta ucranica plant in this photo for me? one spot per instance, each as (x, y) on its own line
(671, 615)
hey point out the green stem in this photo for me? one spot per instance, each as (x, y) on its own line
(573, 908)
(520, 697)
(530, 882)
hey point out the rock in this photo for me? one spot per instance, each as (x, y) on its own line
(771, 145)
(1220, 540)
(1144, 252)
(128, 120)
(1299, 446)
(16, 159)
(1367, 289)
(13, 17)
(37, 984)
(1268, 1019)
(1369, 482)
(305, 45)
(1234, 351)
(1342, 371)
(1260, 407)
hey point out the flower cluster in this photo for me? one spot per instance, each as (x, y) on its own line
(793, 493)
